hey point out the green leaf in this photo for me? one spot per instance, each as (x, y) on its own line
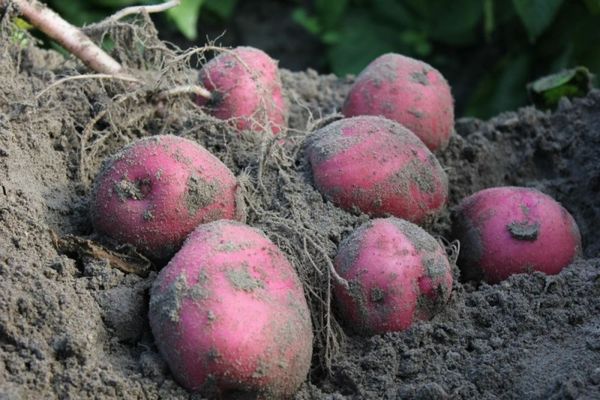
(330, 37)
(308, 22)
(452, 22)
(503, 88)
(593, 6)
(77, 13)
(185, 16)
(19, 35)
(23, 24)
(116, 3)
(223, 8)
(395, 12)
(330, 12)
(456, 22)
(547, 91)
(536, 15)
(417, 41)
(360, 41)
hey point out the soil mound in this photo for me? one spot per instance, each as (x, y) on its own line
(73, 323)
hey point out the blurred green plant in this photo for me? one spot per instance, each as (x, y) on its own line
(488, 49)
(546, 92)
(184, 17)
(19, 35)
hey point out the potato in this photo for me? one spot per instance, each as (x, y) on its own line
(229, 315)
(397, 274)
(155, 191)
(407, 91)
(246, 88)
(510, 230)
(378, 167)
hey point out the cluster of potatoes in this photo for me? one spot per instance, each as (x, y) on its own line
(228, 311)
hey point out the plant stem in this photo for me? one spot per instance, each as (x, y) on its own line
(70, 37)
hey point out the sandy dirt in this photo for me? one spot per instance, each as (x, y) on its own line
(73, 323)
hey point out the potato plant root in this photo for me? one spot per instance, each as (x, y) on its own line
(72, 326)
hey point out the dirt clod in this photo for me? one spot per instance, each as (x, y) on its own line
(524, 230)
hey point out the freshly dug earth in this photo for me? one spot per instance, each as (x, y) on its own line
(73, 314)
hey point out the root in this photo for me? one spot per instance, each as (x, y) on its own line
(187, 89)
(82, 47)
(452, 248)
(84, 139)
(127, 11)
(295, 233)
(89, 76)
(158, 8)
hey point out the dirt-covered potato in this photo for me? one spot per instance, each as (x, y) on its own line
(246, 89)
(229, 315)
(397, 273)
(156, 190)
(510, 230)
(408, 91)
(379, 167)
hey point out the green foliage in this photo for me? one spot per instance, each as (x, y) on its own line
(19, 35)
(502, 88)
(547, 91)
(184, 17)
(593, 6)
(222, 8)
(116, 3)
(488, 49)
(362, 42)
(536, 15)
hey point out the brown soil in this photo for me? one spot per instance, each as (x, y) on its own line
(73, 324)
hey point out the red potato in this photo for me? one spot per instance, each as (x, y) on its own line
(397, 273)
(246, 87)
(379, 167)
(229, 315)
(511, 230)
(407, 91)
(155, 191)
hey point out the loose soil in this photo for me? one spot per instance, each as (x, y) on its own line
(73, 324)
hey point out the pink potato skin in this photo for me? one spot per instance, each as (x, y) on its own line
(407, 91)
(397, 274)
(511, 230)
(249, 94)
(229, 316)
(379, 167)
(155, 191)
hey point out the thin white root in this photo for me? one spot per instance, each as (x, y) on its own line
(88, 76)
(334, 274)
(141, 9)
(186, 89)
(70, 37)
